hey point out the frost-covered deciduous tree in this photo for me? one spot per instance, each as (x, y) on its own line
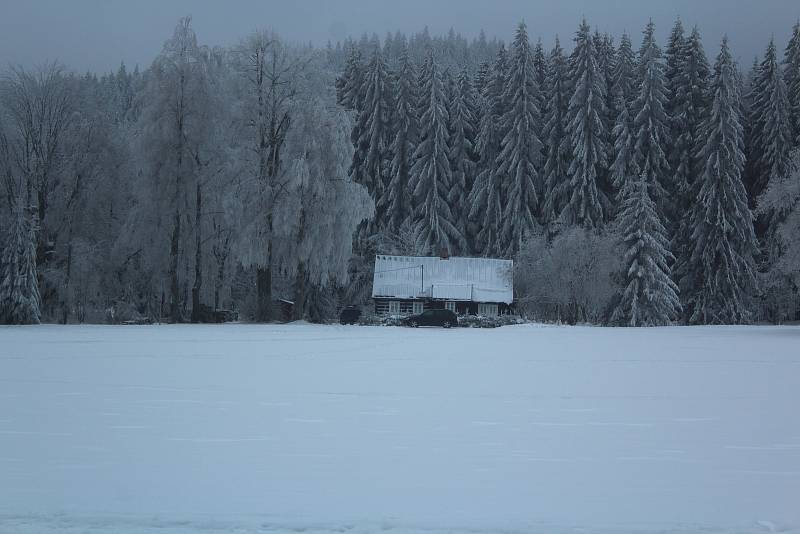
(38, 108)
(323, 208)
(586, 126)
(269, 77)
(569, 278)
(174, 127)
(717, 278)
(518, 163)
(431, 176)
(649, 297)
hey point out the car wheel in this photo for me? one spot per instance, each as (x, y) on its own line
(447, 324)
(413, 324)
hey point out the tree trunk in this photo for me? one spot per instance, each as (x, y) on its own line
(174, 283)
(67, 276)
(264, 294)
(299, 292)
(197, 312)
(264, 280)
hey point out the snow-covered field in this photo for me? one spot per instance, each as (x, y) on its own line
(246, 428)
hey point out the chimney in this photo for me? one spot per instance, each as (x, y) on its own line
(444, 254)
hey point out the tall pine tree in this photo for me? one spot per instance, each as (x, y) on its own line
(557, 144)
(348, 85)
(623, 86)
(20, 302)
(520, 155)
(771, 130)
(650, 297)
(462, 148)
(650, 123)
(371, 159)
(718, 281)
(431, 177)
(675, 55)
(690, 105)
(485, 198)
(792, 77)
(406, 136)
(623, 83)
(586, 127)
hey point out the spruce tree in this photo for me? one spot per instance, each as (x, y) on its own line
(431, 177)
(406, 127)
(485, 197)
(371, 158)
(771, 130)
(20, 302)
(482, 76)
(623, 83)
(690, 108)
(462, 148)
(557, 144)
(540, 68)
(650, 297)
(689, 103)
(348, 85)
(675, 55)
(718, 281)
(520, 155)
(587, 130)
(792, 78)
(606, 58)
(624, 91)
(624, 149)
(651, 125)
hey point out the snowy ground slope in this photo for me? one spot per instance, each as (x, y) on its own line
(246, 428)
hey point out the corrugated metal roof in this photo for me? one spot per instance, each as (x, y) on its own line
(472, 279)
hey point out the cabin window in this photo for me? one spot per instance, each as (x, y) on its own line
(394, 307)
(417, 307)
(450, 305)
(406, 307)
(488, 310)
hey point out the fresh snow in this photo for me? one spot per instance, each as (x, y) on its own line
(248, 428)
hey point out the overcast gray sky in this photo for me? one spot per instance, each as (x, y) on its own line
(98, 34)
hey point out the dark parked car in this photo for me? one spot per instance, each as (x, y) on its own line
(350, 315)
(444, 318)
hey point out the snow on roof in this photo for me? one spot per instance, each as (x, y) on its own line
(471, 279)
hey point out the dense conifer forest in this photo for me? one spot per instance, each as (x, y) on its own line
(633, 182)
